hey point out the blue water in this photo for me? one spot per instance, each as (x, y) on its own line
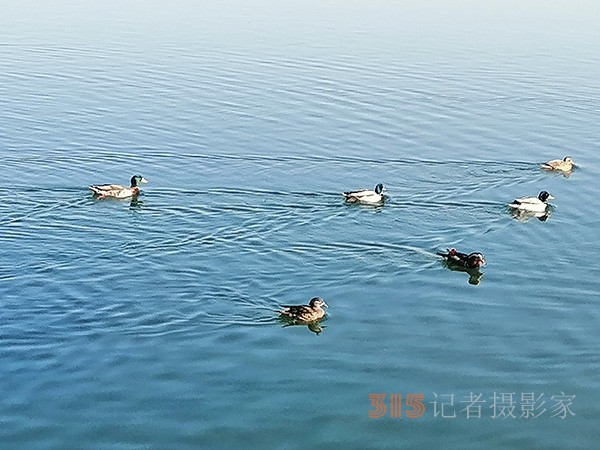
(153, 324)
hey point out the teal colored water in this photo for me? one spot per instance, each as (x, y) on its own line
(153, 324)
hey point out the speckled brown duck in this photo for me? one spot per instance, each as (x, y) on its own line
(304, 314)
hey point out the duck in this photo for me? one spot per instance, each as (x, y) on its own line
(564, 165)
(533, 204)
(473, 260)
(304, 314)
(118, 191)
(366, 195)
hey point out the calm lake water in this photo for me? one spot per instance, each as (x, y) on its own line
(152, 324)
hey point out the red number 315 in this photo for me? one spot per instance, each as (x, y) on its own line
(414, 406)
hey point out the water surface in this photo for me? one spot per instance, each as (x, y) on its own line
(152, 324)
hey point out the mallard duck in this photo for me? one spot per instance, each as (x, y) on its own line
(118, 191)
(305, 313)
(366, 195)
(564, 165)
(468, 261)
(534, 204)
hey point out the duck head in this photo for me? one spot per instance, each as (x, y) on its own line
(137, 179)
(379, 188)
(545, 196)
(475, 260)
(568, 159)
(317, 302)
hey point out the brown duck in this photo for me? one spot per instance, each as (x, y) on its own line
(305, 313)
(564, 165)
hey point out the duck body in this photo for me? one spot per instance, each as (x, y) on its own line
(118, 191)
(563, 165)
(532, 204)
(522, 215)
(304, 314)
(366, 195)
(473, 260)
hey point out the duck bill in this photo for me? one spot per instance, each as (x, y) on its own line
(551, 197)
(325, 305)
(143, 180)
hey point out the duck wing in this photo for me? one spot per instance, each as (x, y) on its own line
(299, 312)
(114, 191)
(359, 193)
(558, 164)
(554, 164)
(527, 201)
(462, 256)
(449, 254)
(107, 187)
(296, 309)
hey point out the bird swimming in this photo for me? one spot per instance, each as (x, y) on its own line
(467, 260)
(118, 191)
(366, 195)
(303, 314)
(564, 165)
(533, 204)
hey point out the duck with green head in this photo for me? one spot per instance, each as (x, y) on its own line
(118, 191)
(366, 196)
(532, 204)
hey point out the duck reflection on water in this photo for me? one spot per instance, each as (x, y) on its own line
(523, 216)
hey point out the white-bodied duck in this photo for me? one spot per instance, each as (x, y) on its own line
(533, 204)
(366, 195)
